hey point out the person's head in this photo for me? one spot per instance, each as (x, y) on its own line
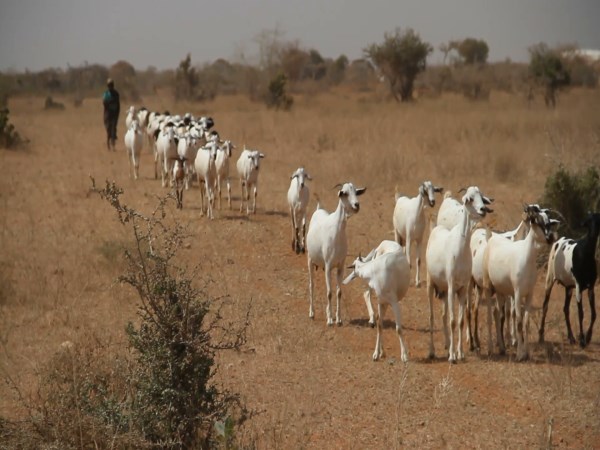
(110, 83)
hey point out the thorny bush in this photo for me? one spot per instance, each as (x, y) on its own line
(162, 392)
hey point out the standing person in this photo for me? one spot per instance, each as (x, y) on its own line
(112, 107)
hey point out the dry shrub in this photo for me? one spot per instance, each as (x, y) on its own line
(81, 399)
(161, 391)
(9, 137)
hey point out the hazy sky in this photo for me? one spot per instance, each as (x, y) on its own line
(37, 34)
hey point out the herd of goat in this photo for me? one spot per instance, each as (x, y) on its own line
(464, 262)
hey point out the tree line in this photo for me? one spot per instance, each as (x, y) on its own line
(286, 67)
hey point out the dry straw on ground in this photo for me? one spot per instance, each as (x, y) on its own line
(310, 386)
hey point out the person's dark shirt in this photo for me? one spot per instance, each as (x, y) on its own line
(112, 104)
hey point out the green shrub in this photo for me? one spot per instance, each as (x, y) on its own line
(572, 194)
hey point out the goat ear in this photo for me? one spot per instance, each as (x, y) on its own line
(487, 200)
(361, 191)
(261, 155)
(308, 176)
(438, 189)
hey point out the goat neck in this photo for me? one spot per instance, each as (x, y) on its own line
(341, 214)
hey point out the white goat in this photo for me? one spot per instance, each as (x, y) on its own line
(385, 247)
(388, 275)
(222, 164)
(206, 171)
(297, 197)
(479, 239)
(187, 149)
(248, 165)
(134, 140)
(179, 178)
(449, 268)
(327, 245)
(142, 117)
(451, 210)
(130, 116)
(509, 269)
(166, 152)
(409, 221)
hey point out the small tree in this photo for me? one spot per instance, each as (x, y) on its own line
(175, 403)
(186, 80)
(125, 78)
(277, 96)
(473, 51)
(400, 58)
(548, 70)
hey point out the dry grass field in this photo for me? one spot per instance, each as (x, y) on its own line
(310, 386)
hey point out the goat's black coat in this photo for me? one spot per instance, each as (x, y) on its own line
(583, 268)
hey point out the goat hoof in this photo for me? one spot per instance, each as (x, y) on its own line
(431, 355)
(372, 324)
(582, 342)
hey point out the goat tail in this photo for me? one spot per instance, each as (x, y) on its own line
(447, 194)
(397, 194)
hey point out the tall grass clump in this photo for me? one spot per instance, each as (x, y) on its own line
(573, 195)
(160, 391)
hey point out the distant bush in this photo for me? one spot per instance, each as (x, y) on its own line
(50, 103)
(277, 96)
(9, 138)
(572, 194)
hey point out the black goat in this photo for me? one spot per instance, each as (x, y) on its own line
(573, 264)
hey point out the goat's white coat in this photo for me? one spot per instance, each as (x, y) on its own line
(388, 274)
(179, 178)
(222, 165)
(327, 245)
(449, 265)
(134, 140)
(207, 175)
(166, 152)
(451, 210)
(297, 197)
(510, 269)
(187, 149)
(386, 246)
(410, 222)
(248, 165)
(130, 116)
